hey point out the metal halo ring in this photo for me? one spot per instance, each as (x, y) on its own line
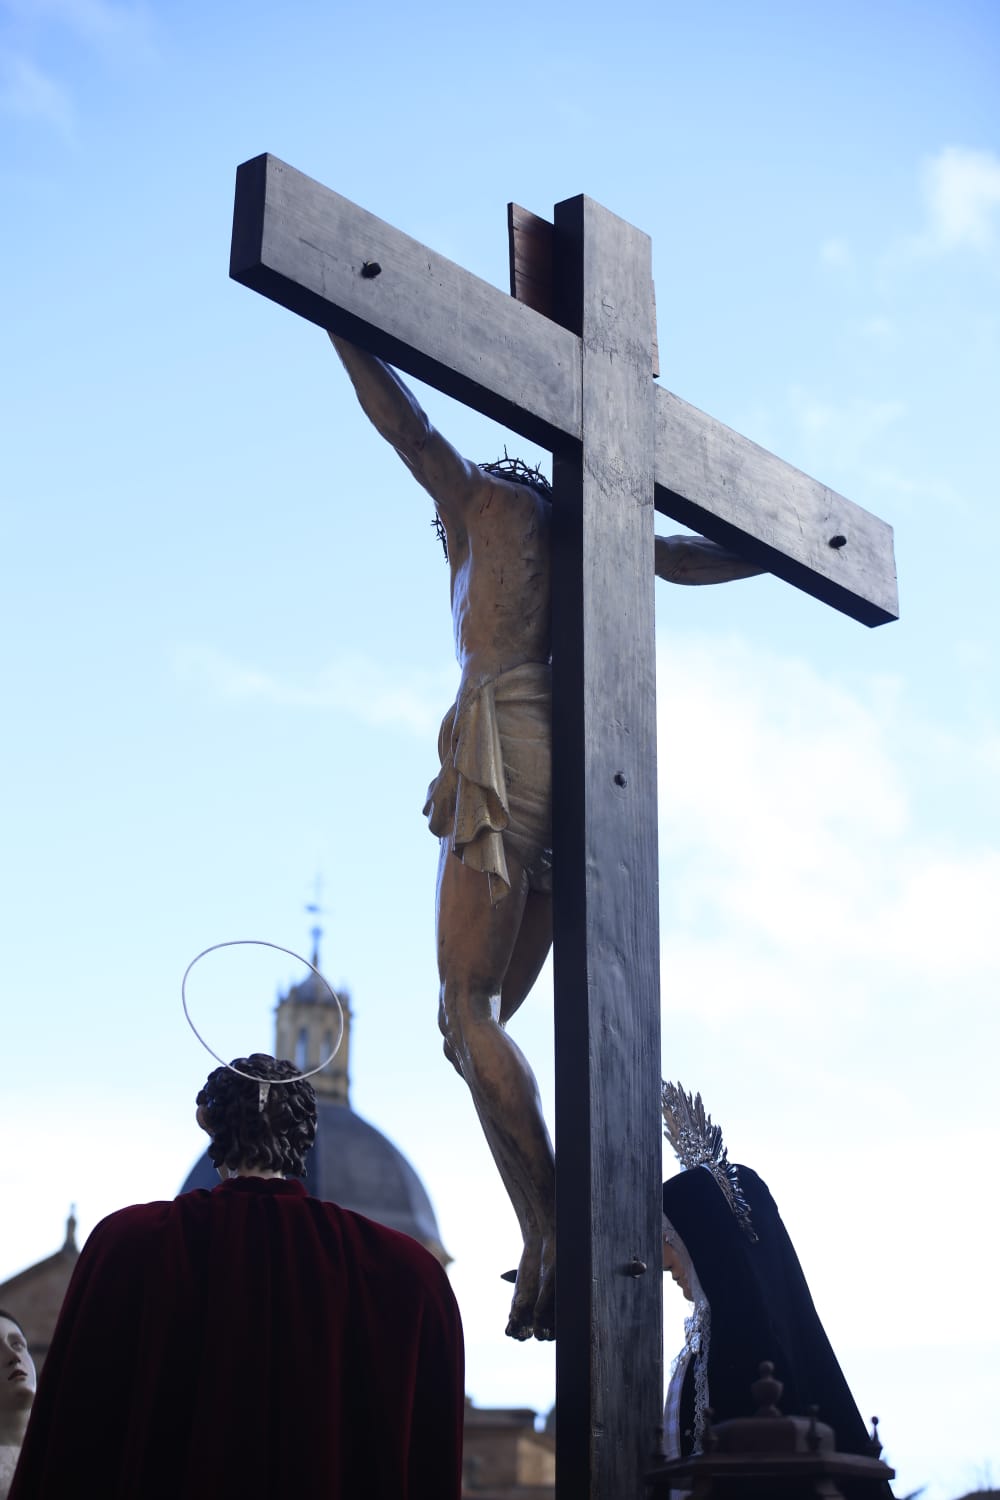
(260, 943)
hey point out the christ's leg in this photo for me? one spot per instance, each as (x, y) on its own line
(534, 940)
(531, 949)
(476, 941)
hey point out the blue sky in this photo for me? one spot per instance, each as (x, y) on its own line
(227, 644)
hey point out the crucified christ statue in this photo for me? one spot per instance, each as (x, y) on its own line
(490, 804)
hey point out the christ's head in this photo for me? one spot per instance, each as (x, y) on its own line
(516, 471)
(247, 1137)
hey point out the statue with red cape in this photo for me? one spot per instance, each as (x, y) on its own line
(252, 1340)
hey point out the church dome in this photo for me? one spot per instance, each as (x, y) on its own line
(352, 1164)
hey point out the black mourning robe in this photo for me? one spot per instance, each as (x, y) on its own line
(254, 1342)
(761, 1309)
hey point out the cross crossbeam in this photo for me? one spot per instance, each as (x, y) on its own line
(306, 247)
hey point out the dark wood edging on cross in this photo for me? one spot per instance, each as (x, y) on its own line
(315, 252)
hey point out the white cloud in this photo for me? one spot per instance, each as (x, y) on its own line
(845, 441)
(829, 975)
(30, 94)
(29, 89)
(101, 23)
(883, 479)
(788, 809)
(853, 423)
(959, 1236)
(836, 252)
(879, 329)
(352, 684)
(961, 191)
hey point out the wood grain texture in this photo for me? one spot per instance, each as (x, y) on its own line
(530, 251)
(306, 247)
(607, 1018)
(529, 246)
(721, 484)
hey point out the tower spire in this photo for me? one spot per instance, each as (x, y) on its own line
(314, 909)
(306, 1021)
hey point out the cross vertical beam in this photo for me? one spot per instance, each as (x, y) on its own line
(609, 1321)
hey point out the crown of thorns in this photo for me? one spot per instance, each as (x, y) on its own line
(518, 472)
(514, 469)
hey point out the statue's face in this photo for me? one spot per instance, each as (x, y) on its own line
(674, 1263)
(17, 1368)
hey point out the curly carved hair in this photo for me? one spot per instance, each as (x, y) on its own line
(276, 1137)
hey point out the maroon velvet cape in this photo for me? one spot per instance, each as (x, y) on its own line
(250, 1342)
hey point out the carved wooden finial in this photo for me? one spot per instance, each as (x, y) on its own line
(875, 1442)
(812, 1436)
(766, 1391)
(771, 1454)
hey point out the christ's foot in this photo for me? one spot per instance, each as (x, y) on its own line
(544, 1315)
(520, 1324)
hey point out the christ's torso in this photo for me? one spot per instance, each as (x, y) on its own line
(500, 580)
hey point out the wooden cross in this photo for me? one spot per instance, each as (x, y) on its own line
(580, 383)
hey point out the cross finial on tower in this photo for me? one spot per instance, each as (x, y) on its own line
(314, 909)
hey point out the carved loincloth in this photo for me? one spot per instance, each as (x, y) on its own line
(494, 789)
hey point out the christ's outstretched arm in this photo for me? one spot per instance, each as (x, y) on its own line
(694, 560)
(397, 414)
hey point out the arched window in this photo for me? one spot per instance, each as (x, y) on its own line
(302, 1049)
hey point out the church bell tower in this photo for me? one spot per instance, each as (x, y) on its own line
(306, 1024)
